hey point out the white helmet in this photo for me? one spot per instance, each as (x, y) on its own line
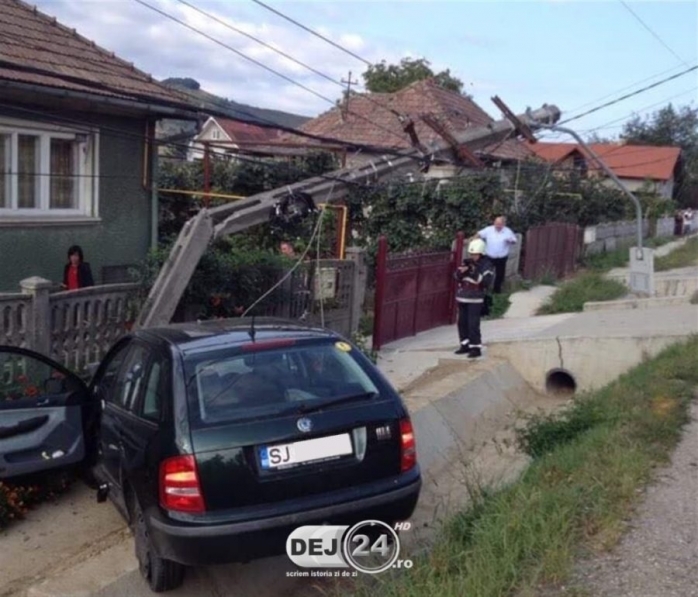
(477, 246)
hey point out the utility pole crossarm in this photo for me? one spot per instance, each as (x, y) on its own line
(214, 223)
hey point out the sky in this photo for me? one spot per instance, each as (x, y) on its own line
(576, 55)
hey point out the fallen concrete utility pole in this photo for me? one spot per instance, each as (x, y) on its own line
(214, 223)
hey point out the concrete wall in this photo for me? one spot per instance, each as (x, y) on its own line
(593, 362)
(663, 188)
(615, 235)
(120, 237)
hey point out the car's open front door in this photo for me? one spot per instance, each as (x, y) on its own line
(44, 413)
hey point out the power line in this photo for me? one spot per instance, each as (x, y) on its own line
(312, 32)
(622, 89)
(80, 125)
(265, 67)
(259, 41)
(236, 51)
(652, 32)
(606, 125)
(629, 95)
(284, 54)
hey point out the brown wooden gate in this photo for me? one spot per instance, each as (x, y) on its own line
(414, 292)
(552, 249)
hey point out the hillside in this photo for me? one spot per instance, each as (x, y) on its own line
(232, 108)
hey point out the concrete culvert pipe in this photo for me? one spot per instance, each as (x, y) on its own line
(560, 382)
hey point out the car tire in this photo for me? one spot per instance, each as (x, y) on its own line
(161, 575)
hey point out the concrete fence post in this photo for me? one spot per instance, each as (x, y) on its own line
(39, 319)
(358, 285)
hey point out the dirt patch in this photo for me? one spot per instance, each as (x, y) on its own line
(55, 536)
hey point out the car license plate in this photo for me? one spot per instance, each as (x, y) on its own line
(310, 450)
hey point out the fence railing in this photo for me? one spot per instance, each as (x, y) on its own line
(74, 328)
(78, 327)
(14, 317)
(85, 323)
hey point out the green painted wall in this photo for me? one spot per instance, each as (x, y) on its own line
(121, 238)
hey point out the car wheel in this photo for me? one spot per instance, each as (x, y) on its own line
(161, 574)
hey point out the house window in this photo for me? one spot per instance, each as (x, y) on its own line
(47, 171)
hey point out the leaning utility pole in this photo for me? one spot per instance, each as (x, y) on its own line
(217, 222)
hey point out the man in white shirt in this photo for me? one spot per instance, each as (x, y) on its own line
(499, 239)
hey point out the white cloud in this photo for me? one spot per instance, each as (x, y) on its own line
(164, 48)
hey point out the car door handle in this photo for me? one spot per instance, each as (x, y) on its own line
(44, 401)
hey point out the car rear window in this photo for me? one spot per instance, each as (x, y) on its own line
(229, 384)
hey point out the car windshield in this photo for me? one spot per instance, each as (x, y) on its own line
(233, 384)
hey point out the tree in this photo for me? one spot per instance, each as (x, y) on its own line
(596, 138)
(671, 126)
(388, 78)
(186, 83)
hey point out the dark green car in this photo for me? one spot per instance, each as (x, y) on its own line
(216, 440)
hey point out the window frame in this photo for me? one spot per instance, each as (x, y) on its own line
(86, 170)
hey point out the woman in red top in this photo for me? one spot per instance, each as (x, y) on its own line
(77, 274)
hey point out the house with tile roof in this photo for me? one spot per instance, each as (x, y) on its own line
(226, 138)
(76, 164)
(377, 121)
(640, 167)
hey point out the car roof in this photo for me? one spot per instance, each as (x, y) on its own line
(194, 336)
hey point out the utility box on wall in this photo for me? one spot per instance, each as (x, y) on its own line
(325, 284)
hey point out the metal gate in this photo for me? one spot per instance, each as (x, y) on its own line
(414, 292)
(552, 249)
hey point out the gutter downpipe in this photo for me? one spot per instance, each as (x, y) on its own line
(612, 176)
(154, 197)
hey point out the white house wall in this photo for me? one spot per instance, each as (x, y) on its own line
(208, 133)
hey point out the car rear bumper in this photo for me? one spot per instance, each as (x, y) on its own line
(199, 545)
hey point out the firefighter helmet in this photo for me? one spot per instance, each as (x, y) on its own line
(477, 246)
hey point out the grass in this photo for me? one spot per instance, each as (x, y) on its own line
(684, 256)
(575, 497)
(586, 287)
(591, 285)
(604, 262)
(500, 305)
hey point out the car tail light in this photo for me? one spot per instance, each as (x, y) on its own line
(180, 489)
(408, 447)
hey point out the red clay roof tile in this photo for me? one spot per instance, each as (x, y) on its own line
(626, 161)
(371, 119)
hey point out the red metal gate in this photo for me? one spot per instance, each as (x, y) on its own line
(414, 292)
(552, 249)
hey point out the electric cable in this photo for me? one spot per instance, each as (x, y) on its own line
(315, 33)
(263, 66)
(653, 33)
(629, 95)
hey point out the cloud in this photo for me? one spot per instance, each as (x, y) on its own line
(164, 49)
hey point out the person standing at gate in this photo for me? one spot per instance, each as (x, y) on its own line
(474, 277)
(499, 239)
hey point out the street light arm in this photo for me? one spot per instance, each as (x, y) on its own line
(609, 172)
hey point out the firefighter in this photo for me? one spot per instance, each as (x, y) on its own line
(474, 277)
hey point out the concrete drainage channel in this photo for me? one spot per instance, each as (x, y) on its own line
(464, 415)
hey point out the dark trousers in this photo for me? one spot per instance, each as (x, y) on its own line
(500, 270)
(469, 324)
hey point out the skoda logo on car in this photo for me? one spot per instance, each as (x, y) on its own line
(304, 425)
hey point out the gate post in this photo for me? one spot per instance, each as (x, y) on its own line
(381, 271)
(39, 320)
(456, 257)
